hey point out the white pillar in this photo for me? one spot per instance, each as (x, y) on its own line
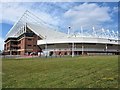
(73, 49)
(82, 49)
(46, 46)
(10, 52)
(106, 48)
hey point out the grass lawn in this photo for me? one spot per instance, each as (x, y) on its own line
(67, 72)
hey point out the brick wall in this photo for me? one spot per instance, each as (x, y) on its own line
(25, 44)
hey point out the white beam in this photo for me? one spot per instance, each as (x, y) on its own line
(73, 49)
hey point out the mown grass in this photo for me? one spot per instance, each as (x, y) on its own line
(67, 72)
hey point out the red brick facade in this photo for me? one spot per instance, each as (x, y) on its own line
(22, 45)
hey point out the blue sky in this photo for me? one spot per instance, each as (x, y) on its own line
(63, 14)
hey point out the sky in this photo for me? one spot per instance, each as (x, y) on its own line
(61, 15)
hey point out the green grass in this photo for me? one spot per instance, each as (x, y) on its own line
(67, 72)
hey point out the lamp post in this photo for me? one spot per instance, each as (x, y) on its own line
(68, 31)
(72, 42)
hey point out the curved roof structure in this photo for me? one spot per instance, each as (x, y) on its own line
(36, 25)
(50, 34)
(45, 32)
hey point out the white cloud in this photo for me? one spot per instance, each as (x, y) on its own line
(39, 0)
(13, 11)
(88, 15)
(47, 17)
(115, 9)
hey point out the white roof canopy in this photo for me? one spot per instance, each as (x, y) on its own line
(47, 31)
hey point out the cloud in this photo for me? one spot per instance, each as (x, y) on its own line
(61, 14)
(88, 15)
(47, 18)
(115, 10)
(40, 0)
(13, 11)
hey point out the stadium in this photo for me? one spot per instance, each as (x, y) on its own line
(31, 35)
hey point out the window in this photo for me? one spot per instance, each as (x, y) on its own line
(19, 47)
(65, 53)
(29, 39)
(29, 45)
(14, 43)
(34, 45)
(19, 42)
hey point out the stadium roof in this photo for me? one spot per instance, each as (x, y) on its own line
(45, 32)
(48, 31)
